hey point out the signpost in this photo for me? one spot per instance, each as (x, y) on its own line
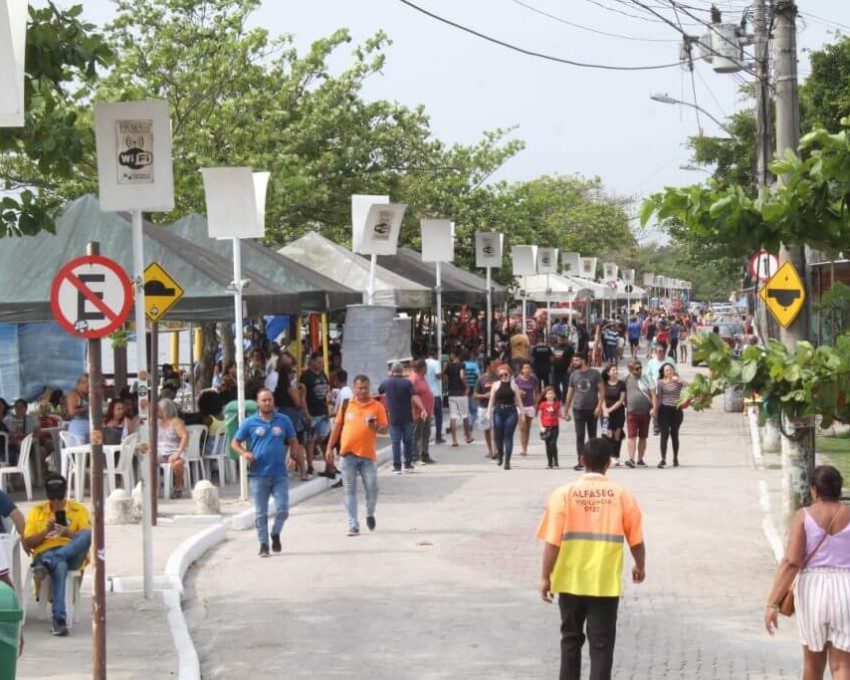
(236, 209)
(134, 173)
(784, 294)
(161, 292)
(488, 254)
(13, 34)
(438, 246)
(375, 226)
(547, 263)
(524, 259)
(91, 298)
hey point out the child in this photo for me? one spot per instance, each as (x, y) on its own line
(549, 410)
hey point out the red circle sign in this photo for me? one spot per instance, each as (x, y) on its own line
(91, 297)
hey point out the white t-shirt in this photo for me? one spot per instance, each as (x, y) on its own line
(341, 395)
(271, 381)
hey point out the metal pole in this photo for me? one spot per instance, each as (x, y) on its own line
(373, 267)
(192, 362)
(240, 358)
(439, 290)
(548, 307)
(153, 458)
(98, 551)
(489, 317)
(523, 305)
(142, 393)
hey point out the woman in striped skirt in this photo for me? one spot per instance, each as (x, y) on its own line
(818, 554)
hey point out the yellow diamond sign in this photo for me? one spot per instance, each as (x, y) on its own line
(161, 292)
(784, 294)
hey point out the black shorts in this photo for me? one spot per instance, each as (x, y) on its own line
(634, 343)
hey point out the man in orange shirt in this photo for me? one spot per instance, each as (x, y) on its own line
(357, 425)
(585, 527)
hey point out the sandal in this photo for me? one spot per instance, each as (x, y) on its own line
(177, 493)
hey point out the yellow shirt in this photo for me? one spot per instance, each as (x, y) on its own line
(38, 517)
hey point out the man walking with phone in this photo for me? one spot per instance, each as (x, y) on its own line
(585, 527)
(262, 440)
(356, 427)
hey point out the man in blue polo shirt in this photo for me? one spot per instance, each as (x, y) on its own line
(267, 435)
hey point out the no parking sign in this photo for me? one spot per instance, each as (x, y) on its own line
(91, 297)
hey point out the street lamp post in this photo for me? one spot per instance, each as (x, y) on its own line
(666, 99)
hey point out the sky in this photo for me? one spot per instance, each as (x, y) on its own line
(573, 120)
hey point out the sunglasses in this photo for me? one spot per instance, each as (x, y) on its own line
(504, 375)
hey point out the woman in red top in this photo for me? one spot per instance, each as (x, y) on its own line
(549, 410)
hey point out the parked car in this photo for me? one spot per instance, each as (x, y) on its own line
(730, 330)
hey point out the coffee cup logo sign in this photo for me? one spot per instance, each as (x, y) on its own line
(382, 229)
(135, 151)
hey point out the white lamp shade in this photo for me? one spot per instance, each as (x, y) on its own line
(524, 260)
(547, 260)
(489, 249)
(588, 268)
(609, 271)
(381, 229)
(629, 275)
(648, 279)
(134, 164)
(571, 263)
(236, 202)
(360, 205)
(438, 240)
(13, 37)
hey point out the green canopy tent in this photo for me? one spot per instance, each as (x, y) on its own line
(28, 266)
(318, 293)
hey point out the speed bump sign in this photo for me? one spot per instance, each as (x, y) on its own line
(161, 292)
(784, 294)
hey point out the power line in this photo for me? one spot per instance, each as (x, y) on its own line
(826, 22)
(689, 47)
(713, 96)
(625, 14)
(586, 28)
(531, 53)
(709, 25)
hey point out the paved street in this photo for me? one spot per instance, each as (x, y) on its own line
(446, 587)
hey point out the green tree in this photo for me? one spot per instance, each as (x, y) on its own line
(825, 94)
(62, 54)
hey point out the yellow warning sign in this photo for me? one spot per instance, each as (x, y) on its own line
(784, 294)
(161, 292)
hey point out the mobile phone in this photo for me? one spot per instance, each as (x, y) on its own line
(61, 518)
(372, 419)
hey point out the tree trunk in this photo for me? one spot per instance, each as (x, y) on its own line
(119, 360)
(207, 359)
(227, 344)
(798, 464)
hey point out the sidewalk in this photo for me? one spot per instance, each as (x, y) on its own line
(447, 585)
(139, 639)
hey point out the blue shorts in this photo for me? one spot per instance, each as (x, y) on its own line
(320, 427)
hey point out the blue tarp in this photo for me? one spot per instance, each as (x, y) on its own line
(37, 355)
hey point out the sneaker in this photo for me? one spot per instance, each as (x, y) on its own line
(276, 547)
(578, 468)
(396, 471)
(354, 531)
(675, 462)
(60, 628)
(408, 467)
(615, 462)
(630, 463)
(662, 464)
(370, 522)
(264, 549)
(427, 461)
(440, 441)
(40, 572)
(338, 485)
(640, 463)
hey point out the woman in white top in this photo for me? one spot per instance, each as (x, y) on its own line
(172, 442)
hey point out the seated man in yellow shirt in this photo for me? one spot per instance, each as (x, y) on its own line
(58, 532)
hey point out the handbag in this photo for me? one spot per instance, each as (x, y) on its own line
(786, 604)
(546, 435)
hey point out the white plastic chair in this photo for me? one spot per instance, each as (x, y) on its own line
(68, 439)
(11, 543)
(22, 468)
(73, 585)
(197, 435)
(123, 466)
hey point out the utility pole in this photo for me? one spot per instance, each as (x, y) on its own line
(798, 446)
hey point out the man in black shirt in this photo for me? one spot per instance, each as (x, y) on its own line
(541, 359)
(316, 388)
(562, 357)
(457, 390)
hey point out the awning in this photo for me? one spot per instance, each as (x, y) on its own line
(351, 270)
(561, 288)
(459, 287)
(316, 292)
(29, 264)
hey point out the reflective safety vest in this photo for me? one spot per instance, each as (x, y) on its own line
(590, 520)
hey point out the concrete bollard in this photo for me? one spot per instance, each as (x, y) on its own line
(137, 502)
(118, 508)
(205, 495)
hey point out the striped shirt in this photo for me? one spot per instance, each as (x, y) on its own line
(669, 392)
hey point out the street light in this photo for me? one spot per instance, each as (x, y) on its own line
(667, 99)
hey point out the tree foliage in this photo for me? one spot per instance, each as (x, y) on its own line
(63, 54)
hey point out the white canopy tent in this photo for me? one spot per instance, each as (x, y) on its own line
(563, 288)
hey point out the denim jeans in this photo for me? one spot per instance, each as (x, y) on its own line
(263, 488)
(505, 419)
(438, 419)
(58, 562)
(421, 435)
(584, 421)
(368, 470)
(402, 434)
(473, 410)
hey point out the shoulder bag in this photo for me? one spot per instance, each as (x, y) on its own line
(786, 604)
